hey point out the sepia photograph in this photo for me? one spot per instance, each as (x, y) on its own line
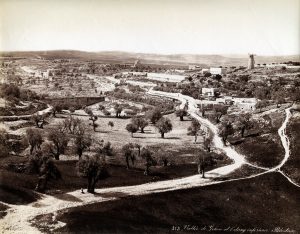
(149, 116)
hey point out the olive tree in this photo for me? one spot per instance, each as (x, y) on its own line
(225, 130)
(44, 166)
(205, 160)
(219, 111)
(38, 120)
(58, 142)
(82, 141)
(132, 128)
(34, 139)
(111, 124)
(92, 117)
(154, 115)
(94, 169)
(243, 123)
(164, 125)
(181, 113)
(194, 129)
(147, 155)
(118, 109)
(128, 151)
(57, 108)
(4, 150)
(140, 122)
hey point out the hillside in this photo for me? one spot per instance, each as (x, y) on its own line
(127, 57)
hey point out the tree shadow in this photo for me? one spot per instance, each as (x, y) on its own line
(67, 197)
(99, 131)
(110, 194)
(171, 138)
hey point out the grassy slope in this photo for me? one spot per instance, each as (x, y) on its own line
(265, 150)
(119, 176)
(292, 166)
(266, 202)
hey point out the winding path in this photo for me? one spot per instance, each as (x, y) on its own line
(18, 217)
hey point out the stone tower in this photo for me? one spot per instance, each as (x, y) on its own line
(251, 61)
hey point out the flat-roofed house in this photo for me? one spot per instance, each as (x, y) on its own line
(217, 71)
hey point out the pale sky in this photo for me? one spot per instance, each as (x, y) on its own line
(264, 27)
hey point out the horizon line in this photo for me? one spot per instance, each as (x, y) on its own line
(153, 53)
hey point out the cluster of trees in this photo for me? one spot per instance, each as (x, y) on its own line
(137, 123)
(45, 148)
(164, 104)
(12, 92)
(207, 158)
(240, 124)
(132, 151)
(155, 116)
(57, 107)
(279, 90)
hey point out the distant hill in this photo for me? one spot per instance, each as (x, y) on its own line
(172, 59)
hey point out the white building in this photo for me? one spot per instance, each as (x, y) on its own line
(281, 65)
(210, 92)
(165, 77)
(217, 71)
(242, 103)
(204, 71)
